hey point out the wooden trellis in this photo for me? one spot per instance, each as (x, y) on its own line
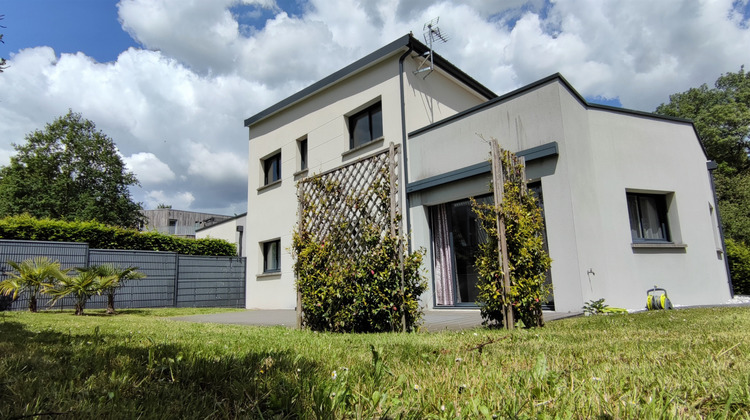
(335, 206)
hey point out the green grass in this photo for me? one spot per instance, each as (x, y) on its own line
(670, 364)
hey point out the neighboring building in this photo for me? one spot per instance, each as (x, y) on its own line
(231, 230)
(627, 196)
(178, 222)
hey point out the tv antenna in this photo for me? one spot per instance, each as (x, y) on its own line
(432, 35)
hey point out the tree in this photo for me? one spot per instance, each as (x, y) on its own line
(31, 276)
(69, 171)
(113, 278)
(82, 286)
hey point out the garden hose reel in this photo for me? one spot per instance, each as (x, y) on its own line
(657, 298)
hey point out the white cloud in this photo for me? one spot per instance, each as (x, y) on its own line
(216, 166)
(177, 107)
(178, 200)
(148, 168)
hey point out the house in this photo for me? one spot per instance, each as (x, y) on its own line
(627, 196)
(231, 230)
(180, 223)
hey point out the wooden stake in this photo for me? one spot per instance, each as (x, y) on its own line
(498, 183)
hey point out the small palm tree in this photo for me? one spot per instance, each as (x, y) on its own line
(114, 277)
(82, 286)
(32, 275)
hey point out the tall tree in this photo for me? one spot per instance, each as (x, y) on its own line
(69, 171)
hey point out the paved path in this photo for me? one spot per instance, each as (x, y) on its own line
(435, 320)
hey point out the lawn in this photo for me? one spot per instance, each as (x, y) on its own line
(688, 363)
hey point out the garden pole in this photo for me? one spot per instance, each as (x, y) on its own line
(498, 184)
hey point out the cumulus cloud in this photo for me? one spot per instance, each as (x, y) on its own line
(179, 200)
(148, 168)
(176, 107)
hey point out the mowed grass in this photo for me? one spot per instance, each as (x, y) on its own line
(688, 363)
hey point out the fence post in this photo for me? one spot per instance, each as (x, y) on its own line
(176, 277)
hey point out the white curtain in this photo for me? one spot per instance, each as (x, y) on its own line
(441, 250)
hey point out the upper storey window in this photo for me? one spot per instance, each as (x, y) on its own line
(366, 126)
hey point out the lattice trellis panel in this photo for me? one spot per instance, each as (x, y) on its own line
(339, 206)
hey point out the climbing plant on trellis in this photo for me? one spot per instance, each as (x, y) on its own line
(512, 264)
(352, 271)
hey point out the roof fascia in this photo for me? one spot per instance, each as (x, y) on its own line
(549, 79)
(394, 47)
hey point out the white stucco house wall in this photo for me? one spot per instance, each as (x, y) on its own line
(231, 230)
(627, 196)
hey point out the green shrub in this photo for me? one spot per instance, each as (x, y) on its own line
(360, 289)
(738, 255)
(358, 295)
(527, 260)
(100, 236)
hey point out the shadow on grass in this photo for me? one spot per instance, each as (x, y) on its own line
(52, 373)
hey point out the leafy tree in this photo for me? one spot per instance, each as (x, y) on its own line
(82, 286)
(114, 277)
(69, 171)
(31, 276)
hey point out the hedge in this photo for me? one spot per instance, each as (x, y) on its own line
(101, 236)
(738, 254)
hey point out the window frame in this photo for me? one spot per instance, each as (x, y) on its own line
(276, 175)
(265, 248)
(302, 154)
(660, 204)
(376, 109)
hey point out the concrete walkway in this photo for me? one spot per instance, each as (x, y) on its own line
(435, 320)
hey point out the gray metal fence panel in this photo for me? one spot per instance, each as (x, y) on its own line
(211, 281)
(171, 279)
(154, 291)
(68, 254)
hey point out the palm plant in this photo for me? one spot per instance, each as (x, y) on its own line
(31, 276)
(82, 286)
(115, 277)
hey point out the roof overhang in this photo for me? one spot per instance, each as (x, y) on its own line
(398, 46)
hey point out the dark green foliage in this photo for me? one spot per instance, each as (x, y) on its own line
(362, 293)
(738, 254)
(69, 171)
(101, 236)
(527, 260)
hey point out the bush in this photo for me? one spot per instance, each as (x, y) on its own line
(361, 295)
(100, 236)
(738, 255)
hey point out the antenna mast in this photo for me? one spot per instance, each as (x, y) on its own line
(431, 34)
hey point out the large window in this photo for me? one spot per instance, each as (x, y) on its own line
(648, 217)
(272, 169)
(272, 256)
(366, 126)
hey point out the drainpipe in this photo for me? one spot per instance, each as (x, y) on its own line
(711, 167)
(404, 154)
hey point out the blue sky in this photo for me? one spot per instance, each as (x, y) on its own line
(171, 81)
